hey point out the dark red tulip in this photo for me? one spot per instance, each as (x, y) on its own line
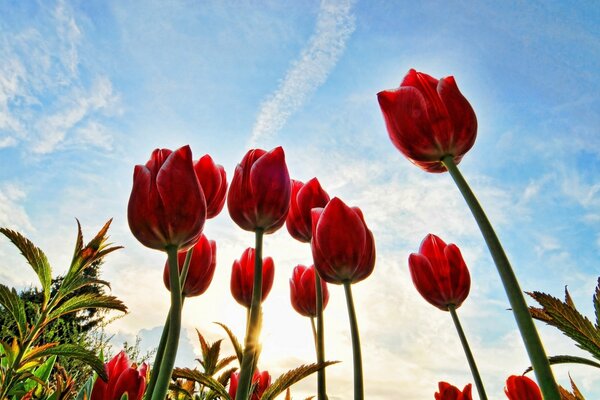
(304, 198)
(201, 269)
(303, 293)
(428, 119)
(213, 180)
(520, 387)
(449, 392)
(259, 194)
(343, 247)
(440, 273)
(242, 277)
(167, 205)
(123, 377)
(261, 380)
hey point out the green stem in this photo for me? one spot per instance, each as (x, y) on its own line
(320, 340)
(249, 358)
(314, 332)
(165, 333)
(531, 339)
(356, 353)
(166, 368)
(468, 353)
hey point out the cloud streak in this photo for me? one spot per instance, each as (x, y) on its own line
(335, 24)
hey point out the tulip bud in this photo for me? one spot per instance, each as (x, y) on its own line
(259, 194)
(261, 380)
(242, 277)
(439, 273)
(201, 268)
(304, 198)
(449, 392)
(303, 293)
(520, 387)
(213, 179)
(428, 119)
(123, 377)
(167, 205)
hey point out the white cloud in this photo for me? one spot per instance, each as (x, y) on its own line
(335, 24)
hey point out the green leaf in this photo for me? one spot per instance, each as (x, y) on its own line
(13, 304)
(79, 353)
(568, 360)
(35, 257)
(85, 301)
(234, 341)
(597, 304)
(42, 373)
(224, 362)
(85, 393)
(203, 379)
(289, 378)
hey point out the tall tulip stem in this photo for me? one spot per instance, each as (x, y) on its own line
(320, 340)
(172, 341)
(249, 358)
(468, 353)
(356, 353)
(531, 339)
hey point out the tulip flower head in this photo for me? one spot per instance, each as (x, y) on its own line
(213, 179)
(260, 380)
(260, 190)
(428, 119)
(167, 205)
(439, 273)
(343, 247)
(201, 268)
(304, 198)
(450, 392)
(242, 277)
(303, 292)
(520, 387)
(123, 377)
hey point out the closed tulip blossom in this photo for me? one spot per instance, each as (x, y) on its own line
(123, 378)
(450, 392)
(303, 291)
(439, 273)
(305, 197)
(259, 193)
(520, 387)
(213, 179)
(261, 380)
(167, 205)
(428, 119)
(201, 268)
(242, 277)
(343, 247)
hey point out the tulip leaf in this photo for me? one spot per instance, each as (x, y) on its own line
(79, 353)
(35, 257)
(289, 378)
(12, 303)
(203, 379)
(234, 341)
(87, 300)
(566, 359)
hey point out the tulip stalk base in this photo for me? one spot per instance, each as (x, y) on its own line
(320, 340)
(531, 339)
(356, 352)
(468, 353)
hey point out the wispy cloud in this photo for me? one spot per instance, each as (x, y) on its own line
(335, 24)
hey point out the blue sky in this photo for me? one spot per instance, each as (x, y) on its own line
(88, 89)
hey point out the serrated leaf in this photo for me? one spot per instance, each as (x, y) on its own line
(597, 304)
(35, 257)
(78, 282)
(85, 301)
(289, 378)
(568, 299)
(13, 304)
(203, 343)
(576, 392)
(566, 359)
(203, 379)
(79, 353)
(234, 341)
(223, 362)
(569, 321)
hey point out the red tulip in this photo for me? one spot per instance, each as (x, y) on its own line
(343, 247)
(519, 387)
(429, 119)
(201, 269)
(449, 392)
(167, 205)
(259, 194)
(303, 293)
(123, 377)
(304, 198)
(440, 273)
(213, 179)
(261, 380)
(242, 277)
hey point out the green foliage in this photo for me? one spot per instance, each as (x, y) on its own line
(289, 378)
